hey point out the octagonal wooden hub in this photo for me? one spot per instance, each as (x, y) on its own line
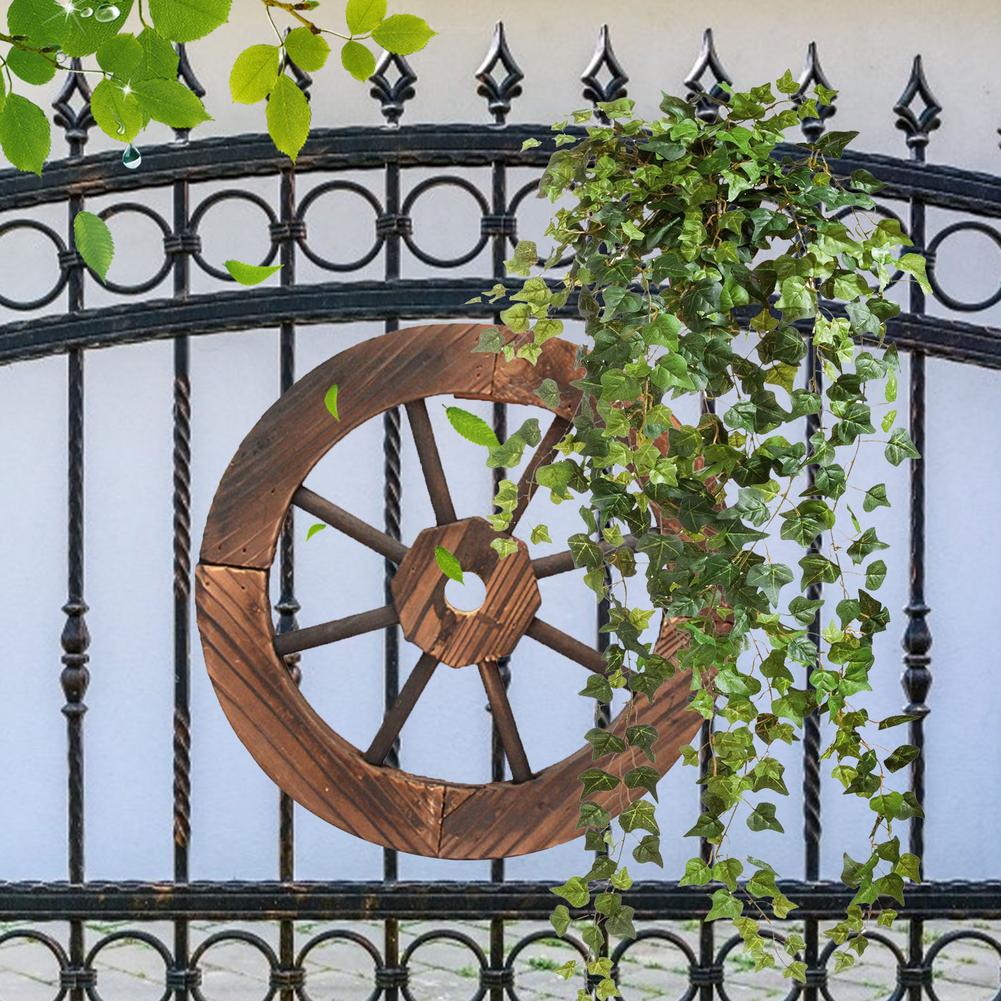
(453, 636)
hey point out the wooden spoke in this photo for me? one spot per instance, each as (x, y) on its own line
(565, 644)
(543, 454)
(549, 566)
(344, 521)
(434, 473)
(500, 706)
(338, 629)
(400, 711)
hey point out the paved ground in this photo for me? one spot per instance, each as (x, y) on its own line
(447, 970)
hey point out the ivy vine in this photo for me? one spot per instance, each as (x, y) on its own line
(709, 266)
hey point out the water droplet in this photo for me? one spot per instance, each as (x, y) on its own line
(86, 11)
(131, 158)
(121, 129)
(107, 12)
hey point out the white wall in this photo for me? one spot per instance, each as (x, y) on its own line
(866, 50)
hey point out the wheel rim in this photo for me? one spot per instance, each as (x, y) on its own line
(309, 760)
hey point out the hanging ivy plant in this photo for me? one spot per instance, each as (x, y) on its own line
(710, 270)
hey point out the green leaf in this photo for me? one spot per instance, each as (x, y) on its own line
(639, 816)
(93, 242)
(250, 274)
(403, 34)
(363, 16)
(560, 919)
(254, 73)
(448, 564)
(159, 60)
(25, 135)
(763, 818)
(31, 67)
(643, 777)
(314, 529)
(170, 102)
(697, 873)
(597, 780)
(648, 850)
(121, 55)
(771, 578)
(540, 533)
(875, 574)
(288, 117)
(330, 401)
(900, 447)
(471, 427)
(724, 905)
(504, 547)
(875, 497)
(186, 20)
(306, 49)
(902, 757)
(358, 60)
(117, 113)
(574, 891)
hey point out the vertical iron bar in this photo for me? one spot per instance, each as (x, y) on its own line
(287, 605)
(811, 725)
(75, 639)
(392, 498)
(497, 759)
(182, 583)
(707, 935)
(917, 638)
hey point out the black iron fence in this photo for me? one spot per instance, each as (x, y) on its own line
(388, 154)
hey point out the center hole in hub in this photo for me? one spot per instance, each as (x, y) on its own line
(467, 596)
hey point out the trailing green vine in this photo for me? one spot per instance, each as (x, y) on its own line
(703, 265)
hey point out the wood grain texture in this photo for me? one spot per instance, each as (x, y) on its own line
(459, 638)
(292, 744)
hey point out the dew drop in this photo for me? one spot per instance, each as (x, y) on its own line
(131, 158)
(121, 129)
(107, 12)
(86, 11)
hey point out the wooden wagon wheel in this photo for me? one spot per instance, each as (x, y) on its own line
(348, 787)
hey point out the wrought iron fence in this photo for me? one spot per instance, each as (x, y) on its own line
(388, 154)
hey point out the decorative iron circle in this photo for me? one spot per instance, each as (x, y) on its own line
(230, 196)
(444, 935)
(245, 937)
(318, 192)
(530, 939)
(970, 225)
(959, 935)
(306, 758)
(661, 935)
(445, 182)
(150, 283)
(64, 271)
(337, 935)
(128, 936)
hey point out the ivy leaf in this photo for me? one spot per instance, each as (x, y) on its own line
(307, 50)
(250, 274)
(643, 736)
(540, 533)
(315, 529)
(255, 73)
(697, 873)
(491, 341)
(186, 20)
(875, 574)
(94, 243)
(288, 116)
(170, 102)
(560, 919)
(818, 569)
(639, 816)
(330, 401)
(901, 757)
(648, 850)
(875, 497)
(900, 447)
(771, 578)
(471, 427)
(448, 564)
(643, 777)
(358, 60)
(574, 891)
(597, 780)
(363, 16)
(403, 34)
(25, 134)
(603, 742)
(762, 818)
(724, 905)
